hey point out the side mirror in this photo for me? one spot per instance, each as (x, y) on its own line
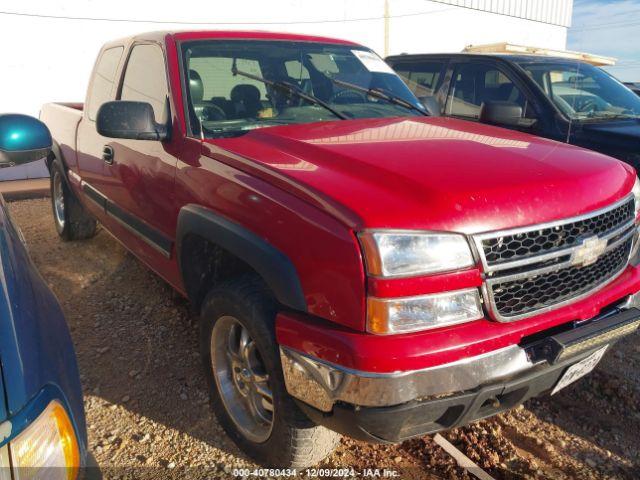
(504, 114)
(22, 139)
(432, 105)
(132, 120)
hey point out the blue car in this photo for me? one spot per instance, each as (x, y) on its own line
(42, 424)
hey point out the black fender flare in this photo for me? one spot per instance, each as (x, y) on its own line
(275, 268)
(56, 153)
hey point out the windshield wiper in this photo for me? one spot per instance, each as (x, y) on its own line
(378, 93)
(288, 88)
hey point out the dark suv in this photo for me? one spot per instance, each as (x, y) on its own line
(566, 100)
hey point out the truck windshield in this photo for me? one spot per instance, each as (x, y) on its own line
(236, 86)
(584, 92)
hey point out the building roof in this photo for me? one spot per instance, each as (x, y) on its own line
(555, 12)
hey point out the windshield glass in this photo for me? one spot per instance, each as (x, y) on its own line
(584, 92)
(236, 86)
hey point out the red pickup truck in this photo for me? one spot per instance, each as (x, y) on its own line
(359, 268)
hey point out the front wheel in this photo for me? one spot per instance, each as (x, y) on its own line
(248, 395)
(72, 221)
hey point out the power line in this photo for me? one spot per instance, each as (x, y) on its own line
(167, 22)
(599, 26)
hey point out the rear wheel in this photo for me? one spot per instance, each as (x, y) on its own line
(248, 395)
(72, 221)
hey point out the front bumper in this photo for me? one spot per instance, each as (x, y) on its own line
(395, 406)
(422, 417)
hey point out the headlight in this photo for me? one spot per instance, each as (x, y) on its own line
(47, 448)
(636, 193)
(409, 314)
(406, 253)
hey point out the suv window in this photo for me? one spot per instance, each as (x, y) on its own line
(145, 79)
(103, 80)
(421, 77)
(476, 83)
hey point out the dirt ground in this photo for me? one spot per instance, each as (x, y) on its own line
(148, 414)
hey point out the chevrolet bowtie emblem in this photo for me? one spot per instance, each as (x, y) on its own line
(589, 252)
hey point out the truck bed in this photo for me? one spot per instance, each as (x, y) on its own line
(63, 118)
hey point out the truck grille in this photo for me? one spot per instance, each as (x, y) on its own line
(537, 242)
(538, 268)
(519, 297)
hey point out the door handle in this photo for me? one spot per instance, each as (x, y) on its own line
(107, 155)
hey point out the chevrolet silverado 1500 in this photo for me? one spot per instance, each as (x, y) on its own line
(359, 268)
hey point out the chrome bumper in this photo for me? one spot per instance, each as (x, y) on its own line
(321, 384)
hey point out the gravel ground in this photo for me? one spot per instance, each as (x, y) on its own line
(148, 414)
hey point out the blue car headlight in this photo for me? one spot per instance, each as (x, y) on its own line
(48, 448)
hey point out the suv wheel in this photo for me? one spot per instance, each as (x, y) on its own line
(72, 221)
(248, 395)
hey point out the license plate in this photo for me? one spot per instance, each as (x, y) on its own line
(580, 369)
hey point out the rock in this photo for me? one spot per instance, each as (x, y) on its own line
(133, 373)
(171, 465)
(125, 399)
(398, 459)
(591, 462)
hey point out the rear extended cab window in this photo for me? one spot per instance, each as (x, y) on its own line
(103, 80)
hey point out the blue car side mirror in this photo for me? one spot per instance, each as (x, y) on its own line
(22, 139)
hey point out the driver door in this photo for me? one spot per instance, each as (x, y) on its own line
(139, 175)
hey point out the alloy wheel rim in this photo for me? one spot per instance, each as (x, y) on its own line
(58, 200)
(241, 378)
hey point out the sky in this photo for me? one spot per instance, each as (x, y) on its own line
(612, 28)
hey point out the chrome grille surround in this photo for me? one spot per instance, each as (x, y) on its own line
(529, 267)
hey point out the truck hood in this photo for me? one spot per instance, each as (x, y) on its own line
(429, 173)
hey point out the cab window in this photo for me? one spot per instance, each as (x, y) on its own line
(475, 83)
(145, 79)
(421, 77)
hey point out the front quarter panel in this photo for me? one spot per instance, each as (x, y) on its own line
(324, 251)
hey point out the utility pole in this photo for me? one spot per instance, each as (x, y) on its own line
(386, 27)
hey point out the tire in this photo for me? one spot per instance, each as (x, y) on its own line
(72, 221)
(291, 440)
